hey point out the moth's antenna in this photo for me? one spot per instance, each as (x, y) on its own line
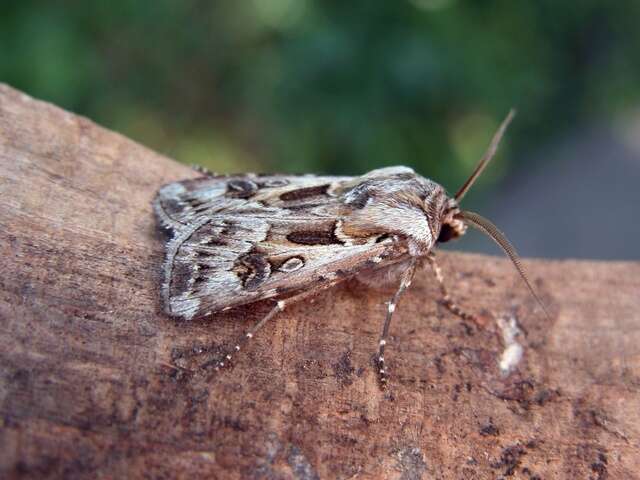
(488, 155)
(497, 236)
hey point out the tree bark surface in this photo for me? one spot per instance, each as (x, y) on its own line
(96, 382)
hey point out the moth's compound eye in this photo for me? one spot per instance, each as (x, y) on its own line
(451, 231)
(447, 232)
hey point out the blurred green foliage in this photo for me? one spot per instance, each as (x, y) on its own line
(332, 86)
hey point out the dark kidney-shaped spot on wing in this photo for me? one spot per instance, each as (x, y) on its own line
(359, 195)
(252, 269)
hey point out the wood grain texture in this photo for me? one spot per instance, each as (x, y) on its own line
(89, 386)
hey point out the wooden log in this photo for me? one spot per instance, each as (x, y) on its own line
(95, 380)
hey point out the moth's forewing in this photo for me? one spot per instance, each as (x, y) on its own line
(246, 238)
(179, 204)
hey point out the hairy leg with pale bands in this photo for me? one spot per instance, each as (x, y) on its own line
(405, 282)
(447, 301)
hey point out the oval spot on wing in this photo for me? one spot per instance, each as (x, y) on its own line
(292, 264)
(252, 269)
(274, 182)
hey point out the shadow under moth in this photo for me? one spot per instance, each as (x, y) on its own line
(244, 238)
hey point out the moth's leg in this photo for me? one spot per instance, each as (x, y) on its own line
(279, 307)
(448, 302)
(405, 281)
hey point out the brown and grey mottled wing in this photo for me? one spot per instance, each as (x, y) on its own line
(233, 260)
(242, 239)
(179, 204)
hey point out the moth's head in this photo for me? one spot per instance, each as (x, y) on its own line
(452, 226)
(454, 220)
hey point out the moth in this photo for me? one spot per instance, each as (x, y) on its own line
(239, 239)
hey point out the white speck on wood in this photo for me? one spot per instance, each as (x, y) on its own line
(513, 351)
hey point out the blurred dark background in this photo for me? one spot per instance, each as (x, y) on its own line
(345, 87)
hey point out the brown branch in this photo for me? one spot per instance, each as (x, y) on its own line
(96, 381)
